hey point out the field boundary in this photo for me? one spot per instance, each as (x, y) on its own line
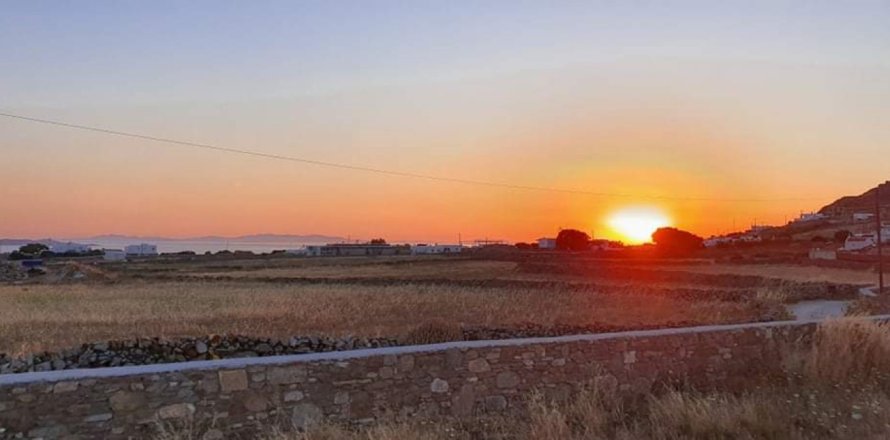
(339, 356)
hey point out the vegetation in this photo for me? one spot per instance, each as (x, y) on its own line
(44, 317)
(676, 242)
(836, 389)
(28, 251)
(841, 235)
(572, 240)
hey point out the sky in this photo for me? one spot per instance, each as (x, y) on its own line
(714, 114)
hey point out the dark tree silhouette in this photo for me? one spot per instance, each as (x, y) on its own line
(840, 236)
(33, 249)
(572, 240)
(674, 241)
(378, 241)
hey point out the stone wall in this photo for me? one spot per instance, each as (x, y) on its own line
(240, 396)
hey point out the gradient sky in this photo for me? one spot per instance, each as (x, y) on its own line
(722, 100)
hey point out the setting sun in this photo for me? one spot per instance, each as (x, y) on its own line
(636, 224)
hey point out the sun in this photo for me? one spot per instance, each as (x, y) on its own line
(637, 223)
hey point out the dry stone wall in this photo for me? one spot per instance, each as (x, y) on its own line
(241, 397)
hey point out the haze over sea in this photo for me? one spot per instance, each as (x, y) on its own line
(199, 246)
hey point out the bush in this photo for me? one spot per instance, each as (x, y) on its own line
(673, 241)
(572, 240)
(434, 332)
(848, 350)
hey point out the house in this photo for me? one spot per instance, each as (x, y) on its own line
(716, 241)
(425, 249)
(141, 250)
(863, 216)
(356, 250)
(114, 255)
(810, 217)
(859, 242)
(69, 247)
(547, 243)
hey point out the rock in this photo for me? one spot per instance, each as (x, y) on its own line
(306, 415)
(96, 418)
(463, 401)
(478, 366)
(232, 380)
(176, 411)
(127, 401)
(48, 432)
(495, 403)
(293, 396)
(341, 398)
(439, 386)
(286, 375)
(630, 357)
(65, 387)
(507, 379)
(213, 434)
(201, 347)
(254, 402)
(44, 366)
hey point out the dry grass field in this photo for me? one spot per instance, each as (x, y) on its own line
(444, 269)
(43, 317)
(837, 389)
(367, 297)
(781, 271)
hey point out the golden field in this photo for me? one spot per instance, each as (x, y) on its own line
(44, 317)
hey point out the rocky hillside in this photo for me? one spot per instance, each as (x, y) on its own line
(865, 202)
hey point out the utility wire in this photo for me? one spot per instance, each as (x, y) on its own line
(342, 166)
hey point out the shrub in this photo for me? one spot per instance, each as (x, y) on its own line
(848, 350)
(690, 415)
(434, 332)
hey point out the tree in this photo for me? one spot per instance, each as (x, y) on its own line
(378, 241)
(840, 236)
(33, 249)
(675, 241)
(572, 240)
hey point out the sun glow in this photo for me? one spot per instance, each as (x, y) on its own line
(636, 224)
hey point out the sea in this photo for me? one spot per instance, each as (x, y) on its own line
(197, 246)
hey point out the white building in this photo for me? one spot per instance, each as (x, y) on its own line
(62, 248)
(716, 241)
(863, 216)
(547, 243)
(810, 217)
(426, 249)
(859, 242)
(114, 255)
(141, 250)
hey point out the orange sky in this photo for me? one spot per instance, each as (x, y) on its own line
(728, 107)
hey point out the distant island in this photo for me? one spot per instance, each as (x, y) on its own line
(210, 243)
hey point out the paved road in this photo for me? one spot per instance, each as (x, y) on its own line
(818, 309)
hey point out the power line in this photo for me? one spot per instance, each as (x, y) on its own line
(342, 166)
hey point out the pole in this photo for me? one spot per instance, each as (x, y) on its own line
(880, 252)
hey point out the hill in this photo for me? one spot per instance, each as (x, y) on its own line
(865, 202)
